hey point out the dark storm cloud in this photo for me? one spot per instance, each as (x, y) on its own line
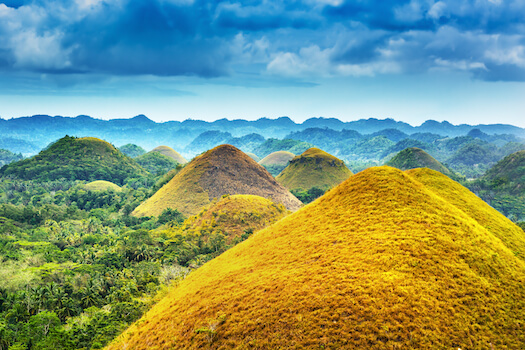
(294, 38)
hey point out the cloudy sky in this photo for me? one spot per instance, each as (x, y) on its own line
(456, 60)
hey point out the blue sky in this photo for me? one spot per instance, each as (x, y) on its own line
(456, 60)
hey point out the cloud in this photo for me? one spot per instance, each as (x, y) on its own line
(298, 39)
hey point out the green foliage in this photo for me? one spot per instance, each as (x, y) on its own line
(7, 157)
(157, 163)
(132, 150)
(274, 145)
(308, 196)
(73, 158)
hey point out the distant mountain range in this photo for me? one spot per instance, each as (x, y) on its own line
(27, 135)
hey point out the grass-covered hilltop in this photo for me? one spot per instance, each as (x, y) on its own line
(275, 162)
(170, 152)
(413, 157)
(313, 168)
(388, 259)
(222, 170)
(72, 158)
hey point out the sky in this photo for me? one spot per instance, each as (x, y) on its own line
(411, 60)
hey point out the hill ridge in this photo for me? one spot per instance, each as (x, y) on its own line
(379, 262)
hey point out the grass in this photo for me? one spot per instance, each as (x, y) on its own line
(222, 170)
(102, 185)
(313, 168)
(277, 158)
(170, 152)
(382, 261)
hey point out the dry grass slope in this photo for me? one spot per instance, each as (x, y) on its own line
(379, 262)
(170, 152)
(102, 185)
(233, 215)
(316, 168)
(222, 170)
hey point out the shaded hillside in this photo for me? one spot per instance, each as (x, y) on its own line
(503, 186)
(74, 158)
(132, 150)
(412, 158)
(379, 262)
(275, 162)
(313, 168)
(171, 153)
(7, 157)
(101, 185)
(222, 170)
(156, 162)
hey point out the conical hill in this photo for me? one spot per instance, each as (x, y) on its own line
(170, 152)
(233, 216)
(413, 157)
(102, 185)
(222, 170)
(509, 172)
(275, 162)
(379, 262)
(313, 168)
(72, 158)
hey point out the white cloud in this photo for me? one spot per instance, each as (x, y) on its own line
(39, 51)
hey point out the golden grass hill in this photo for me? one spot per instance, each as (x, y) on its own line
(386, 260)
(220, 171)
(313, 168)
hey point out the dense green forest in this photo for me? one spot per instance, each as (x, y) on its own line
(77, 269)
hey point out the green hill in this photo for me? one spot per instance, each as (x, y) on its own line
(275, 162)
(132, 150)
(411, 158)
(72, 158)
(274, 145)
(156, 162)
(222, 170)
(7, 157)
(503, 186)
(313, 168)
(382, 261)
(170, 152)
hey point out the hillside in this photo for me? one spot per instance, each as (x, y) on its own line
(503, 186)
(313, 168)
(411, 158)
(275, 145)
(379, 262)
(7, 157)
(72, 158)
(101, 185)
(222, 170)
(232, 217)
(157, 163)
(275, 162)
(171, 153)
(132, 150)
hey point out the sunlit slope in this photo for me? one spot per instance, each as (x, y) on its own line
(509, 173)
(414, 157)
(313, 168)
(472, 205)
(222, 170)
(101, 185)
(379, 262)
(233, 215)
(170, 152)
